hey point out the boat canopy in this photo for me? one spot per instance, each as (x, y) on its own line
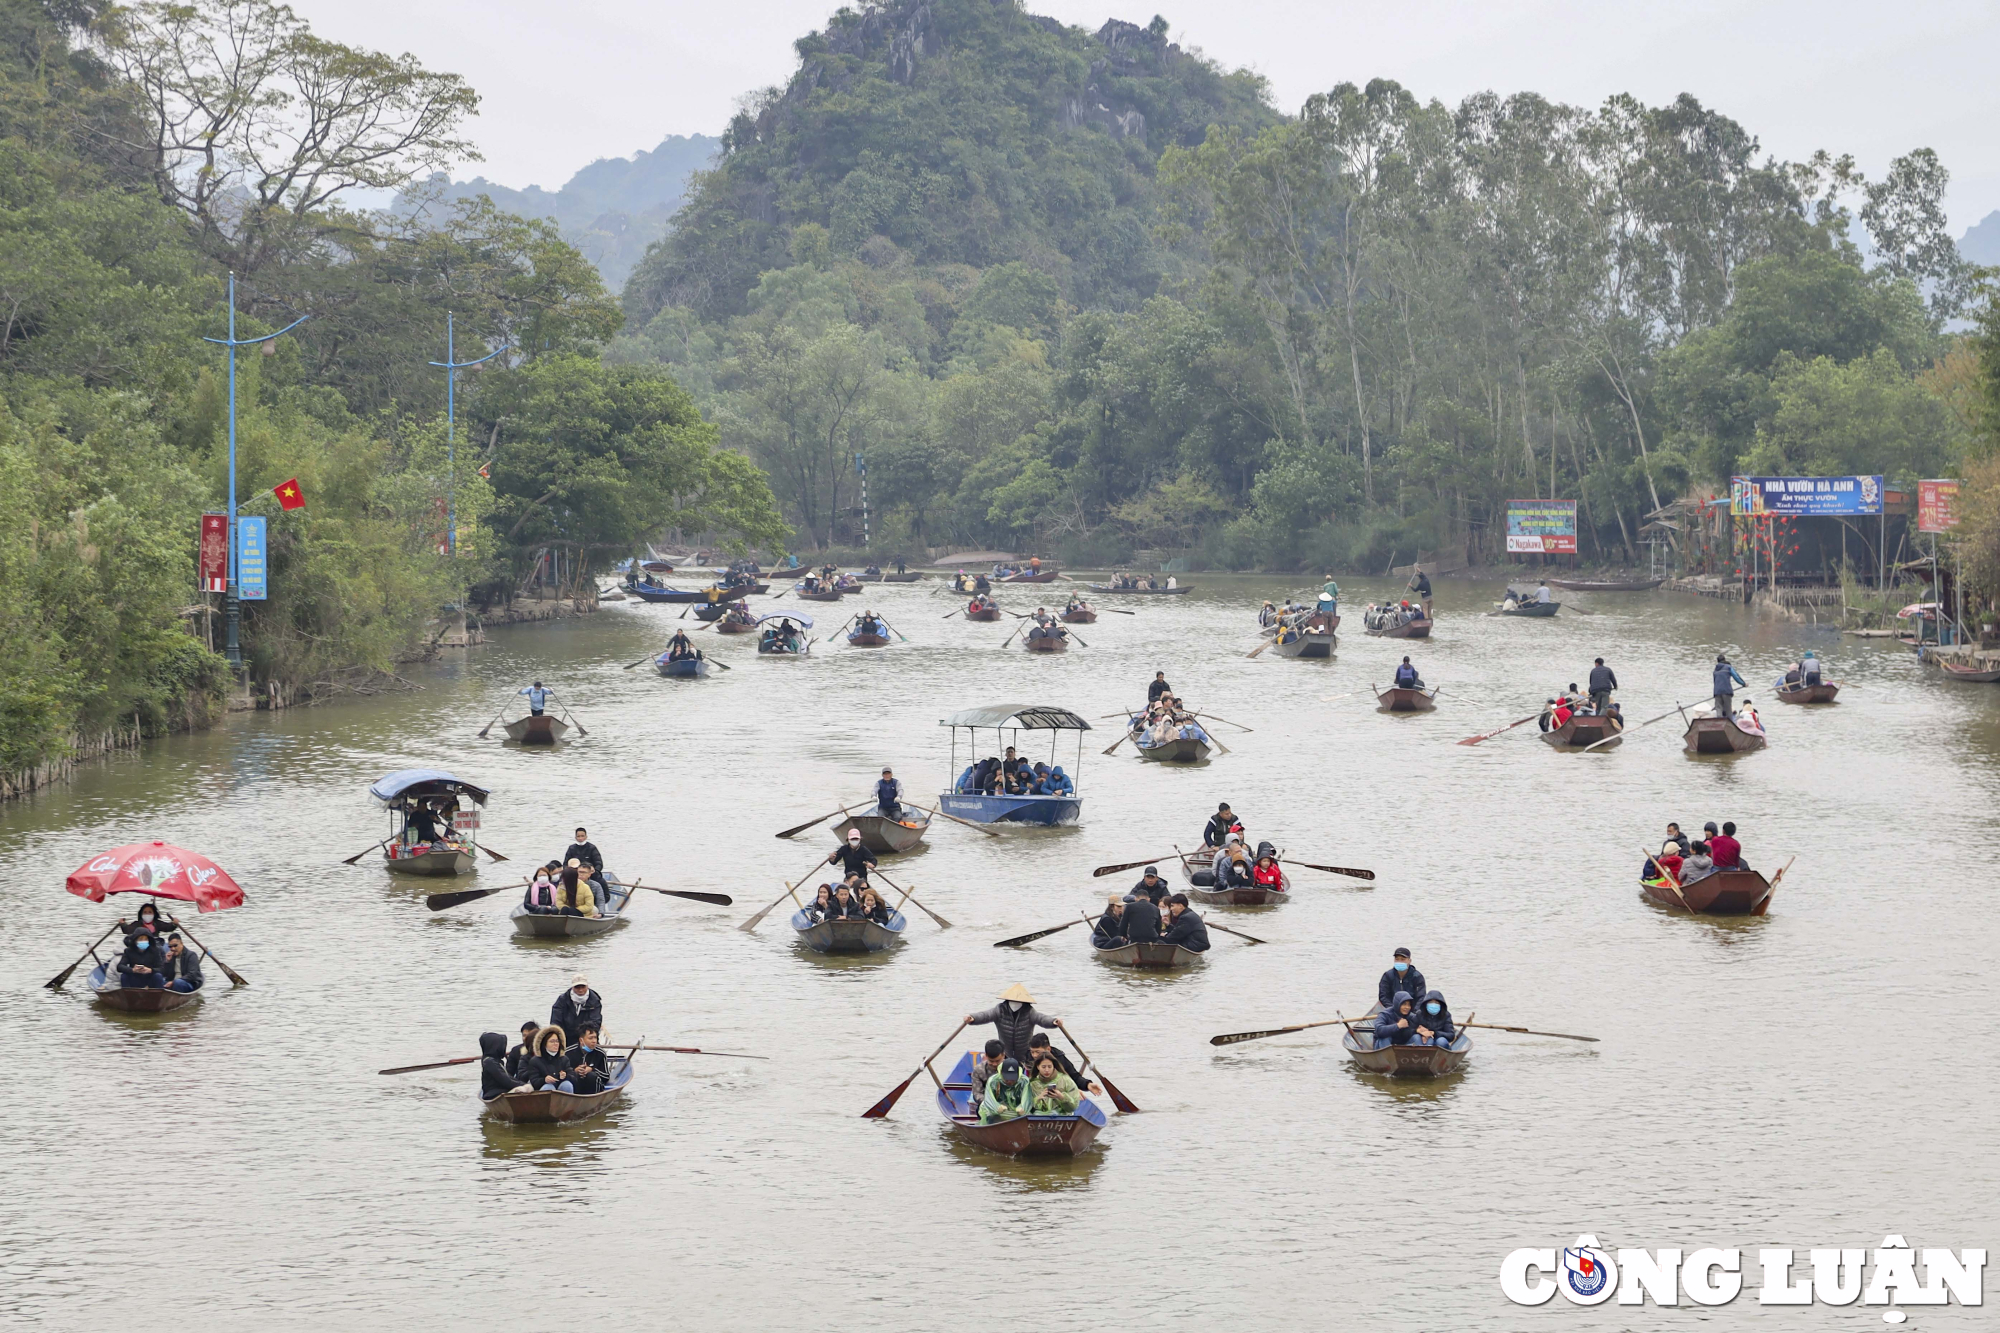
(804, 621)
(423, 782)
(1028, 717)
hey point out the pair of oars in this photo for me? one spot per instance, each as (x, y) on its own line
(438, 902)
(57, 981)
(392, 837)
(849, 809)
(676, 1050)
(882, 1108)
(651, 657)
(1102, 871)
(567, 716)
(1085, 919)
(1231, 1038)
(885, 625)
(750, 926)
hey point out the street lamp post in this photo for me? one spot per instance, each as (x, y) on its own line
(451, 366)
(233, 649)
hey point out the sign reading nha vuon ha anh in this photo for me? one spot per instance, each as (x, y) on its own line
(1793, 496)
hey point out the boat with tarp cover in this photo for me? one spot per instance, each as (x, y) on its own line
(432, 833)
(983, 807)
(786, 638)
(1024, 1136)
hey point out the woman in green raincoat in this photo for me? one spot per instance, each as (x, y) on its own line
(1054, 1092)
(1009, 1095)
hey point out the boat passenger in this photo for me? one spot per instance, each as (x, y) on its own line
(575, 1007)
(541, 895)
(1698, 864)
(1142, 919)
(523, 1050)
(1014, 772)
(1184, 926)
(1542, 592)
(986, 777)
(1051, 1091)
(852, 858)
(1152, 886)
(149, 921)
(1723, 847)
(420, 824)
(1407, 677)
(1562, 714)
(1401, 976)
(1267, 873)
(588, 1068)
(1614, 717)
(548, 1068)
(680, 647)
(539, 695)
(496, 1074)
(1668, 860)
(182, 969)
(1433, 1021)
(873, 908)
(1232, 863)
(1392, 1025)
(1509, 604)
(139, 968)
(1059, 783)
(1747, 720)
(1109, 930)
(1008, 1095)
(821, 907)
(1038, 1046)
(1013, 1019)
(573, 894)
(985, 1064)
(1675, 835)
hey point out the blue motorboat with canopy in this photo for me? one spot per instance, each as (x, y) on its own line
(970, 799)
(433, 833)
(777, 642)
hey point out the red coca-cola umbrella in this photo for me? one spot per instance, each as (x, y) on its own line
(158, 870)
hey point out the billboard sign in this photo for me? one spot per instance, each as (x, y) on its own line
(1541, 527)
(1794, 497)
(1937, 506)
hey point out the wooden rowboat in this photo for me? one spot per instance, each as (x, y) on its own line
(1720, 735)
(1026, 1136)
(537, 729)
(817, 595)
(559, 1108)
(1311, 643)
(712, 612)
(1533, 610)
(1420, 628)
(848, 935)
(1198, 869)
(741, 626)
(1178, 750)
(1151, 955)
(685, 668)
(104, 988)
(910, 577)
(1724, 893)
(1824, 692)
(1397, 699)
(1401, 1061)
(1025, 576)
(1971, 675)
(857, 639)
(1582, 729)
(879, 833)
(1600, 585)
(984, 615)
(556, 926)
(1046, 643)
(1080, 616)
(1180, 591)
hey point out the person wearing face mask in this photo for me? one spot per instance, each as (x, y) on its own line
(140, 967)
(1432, 1021)
(588, 1068)
(1014, 1019)
(541, 895)
(852, 857)
(1400, 976)
(149, 921)
(548, 1069)
(577, 1008)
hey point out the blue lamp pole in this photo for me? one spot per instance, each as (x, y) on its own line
(234, 647)
(451, 366)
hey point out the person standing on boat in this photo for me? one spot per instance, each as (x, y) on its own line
(1220, 825)
(576, 1008)
(901, 568)
(680, 646)
(1157, 688)
(1329, 597)
(1420, 586)
(1401, 976)
(1407, 677)
(853, 858)
(1541, 592)
(1726, 680)
(1810, 667)
(1014, 1019)
(585, 851)
(538, 698)
(1184, 926)
(889, 796)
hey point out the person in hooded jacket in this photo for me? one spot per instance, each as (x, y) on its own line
(1400, 976)
(576, 1008)
(1060, 783)
(149, 920)
(1109, 931)
(496, 1076)
(1232, 863)
(1394, 1026)
(140, 967)
(1142, 919)
(1014, 1019)
(548, 1067)
(1432, 1019)
(1184, 926)
(1008, 1096)
(523, 1050)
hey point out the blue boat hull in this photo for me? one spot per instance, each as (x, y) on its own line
(686, 668)
(1046, 811)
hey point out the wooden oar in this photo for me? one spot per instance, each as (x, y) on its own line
(956, 820)
(235, 977)
(942, 923)
(1120, 741)
(719, 899)
(1118, 1099)
(882, 1108)
(1029, 939)
(437, 902)
(947, 616)
(435, 1064)
(713, 662)
(642, 661)
(56, 982)
(1237, 933)
(1677, 708)
(1765, 906)
(1222, 719)
(1010, 637)
(751, 924)
(581, 730)
(1474, 740)
(1231, 1038)
(358, 855)
(1501, 1027)
(483, 730)
(1102, 871)
(1260, 647)
(801, 828)
(1123, 712)
(684, 1050)
(1672, 883)
(1332, 870)
(1331, 698)
(495, 855)
(1074, 635)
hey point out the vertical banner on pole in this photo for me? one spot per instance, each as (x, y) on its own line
(215, 553)
(861, 469)
(251, 567)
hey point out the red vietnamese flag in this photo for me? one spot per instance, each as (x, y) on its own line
(289, 495)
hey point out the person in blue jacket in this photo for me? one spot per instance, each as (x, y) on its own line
(1059, 783)
(1726, 681)
(1395, 1025)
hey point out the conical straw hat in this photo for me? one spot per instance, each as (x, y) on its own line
(1017, 992)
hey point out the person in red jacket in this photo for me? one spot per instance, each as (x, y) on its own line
(1723, 849)
(1267, 871)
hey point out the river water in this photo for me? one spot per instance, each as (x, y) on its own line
(1824, 1076)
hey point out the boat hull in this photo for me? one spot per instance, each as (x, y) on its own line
(847, 936)
(552, 926)
(1042, 811)
(1180, 591)
(1052, 643)
(1151, 956)
(1181, 750)
(1581, 731)
(1413, 629)
(1719, 735)
(1397, 699)
(687, 668)
(985, 616)
(1824, 693)
(1199, 872)
(715, 612)
(1971, 677)
(1534, 610)
(137, 999)
(1046, 576)
(879, 833)
(735, 627)
(1079, 617)
(867, 640)
(1028, 1136)
(537, 730)
(830, 595)
(560, 1108)
(1312, 645)
(901, 578)
(1725, 893)
(1401, 1061)
(437, 861)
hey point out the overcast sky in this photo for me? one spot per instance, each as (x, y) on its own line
(565, 84)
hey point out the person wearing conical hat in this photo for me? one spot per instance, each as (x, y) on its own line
(1014, 1019)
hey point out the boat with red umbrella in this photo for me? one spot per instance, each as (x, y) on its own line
(157, 870)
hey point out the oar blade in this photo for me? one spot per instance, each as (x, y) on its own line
(1029, 939)
(719, 899)
(1118, 1099)
(437, 902)
(881, 1109)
